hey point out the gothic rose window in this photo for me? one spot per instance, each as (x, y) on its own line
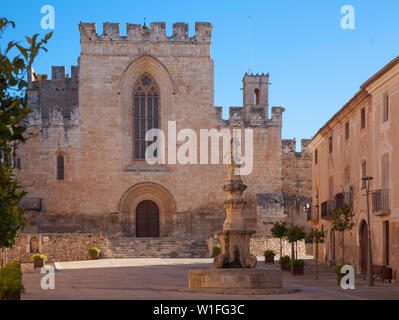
(145, 113)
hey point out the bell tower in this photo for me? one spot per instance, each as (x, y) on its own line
(256, 92)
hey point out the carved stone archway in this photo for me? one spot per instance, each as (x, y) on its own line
(147, 191)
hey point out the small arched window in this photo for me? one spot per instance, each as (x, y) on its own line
(145, 113)
(60, 167)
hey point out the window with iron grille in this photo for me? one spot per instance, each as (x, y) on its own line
(145, 113)
(330, 144)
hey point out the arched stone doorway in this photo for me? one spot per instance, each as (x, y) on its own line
(147, 219)
(363, 246)
(147, 192)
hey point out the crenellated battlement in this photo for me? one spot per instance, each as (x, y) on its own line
(57, 75)
(140, 33)
(289, 148)
(54, 101)
(253, 116)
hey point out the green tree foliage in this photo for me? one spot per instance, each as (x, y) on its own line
(279, 231)
(315, 235)
(15, 61)
(295, 234)
(342, 220)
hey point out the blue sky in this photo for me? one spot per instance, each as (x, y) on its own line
(315, 66)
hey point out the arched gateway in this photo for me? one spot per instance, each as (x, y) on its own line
(147, 210)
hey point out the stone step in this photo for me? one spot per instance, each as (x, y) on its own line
(160, 247)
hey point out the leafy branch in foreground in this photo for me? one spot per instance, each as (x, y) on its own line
(15, 62)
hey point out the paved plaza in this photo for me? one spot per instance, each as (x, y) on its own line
(159, 279)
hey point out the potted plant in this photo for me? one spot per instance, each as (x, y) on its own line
(279, 231)
(94, 253)
(284, 263)
(297, 266)
(38, 260)
(386, 274)
(338, 273)
(216, 250)
(269, 256)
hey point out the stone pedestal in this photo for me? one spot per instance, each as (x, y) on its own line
(235, 279)
(235, 250)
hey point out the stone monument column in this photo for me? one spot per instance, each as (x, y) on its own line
(234, 238)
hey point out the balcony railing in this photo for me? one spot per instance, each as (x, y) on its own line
(327, 208)
(344, 200)
(380, 202)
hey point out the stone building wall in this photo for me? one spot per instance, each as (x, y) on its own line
(297, 181)
(260, 243)
(91, 128)
(87, 119)
(357, 142)
(74, 246)
(57, 246)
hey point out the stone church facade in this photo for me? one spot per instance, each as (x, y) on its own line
(83, 165)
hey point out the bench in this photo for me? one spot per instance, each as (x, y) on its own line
(382, 273)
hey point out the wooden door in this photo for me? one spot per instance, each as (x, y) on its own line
(147, 219)
(386, 243)
(364, 247)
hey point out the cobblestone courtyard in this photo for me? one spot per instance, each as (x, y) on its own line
(159, 278)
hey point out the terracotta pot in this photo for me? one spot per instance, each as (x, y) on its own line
(38, 263)
(94, 256)
(339, 278)
(216, 253)
(386, 274)
(269, 259)
(16, 296)
(285, 266)
(297, 270)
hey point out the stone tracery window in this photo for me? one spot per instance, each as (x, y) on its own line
(145, 113)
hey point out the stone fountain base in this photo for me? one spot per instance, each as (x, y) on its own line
(237, 281)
